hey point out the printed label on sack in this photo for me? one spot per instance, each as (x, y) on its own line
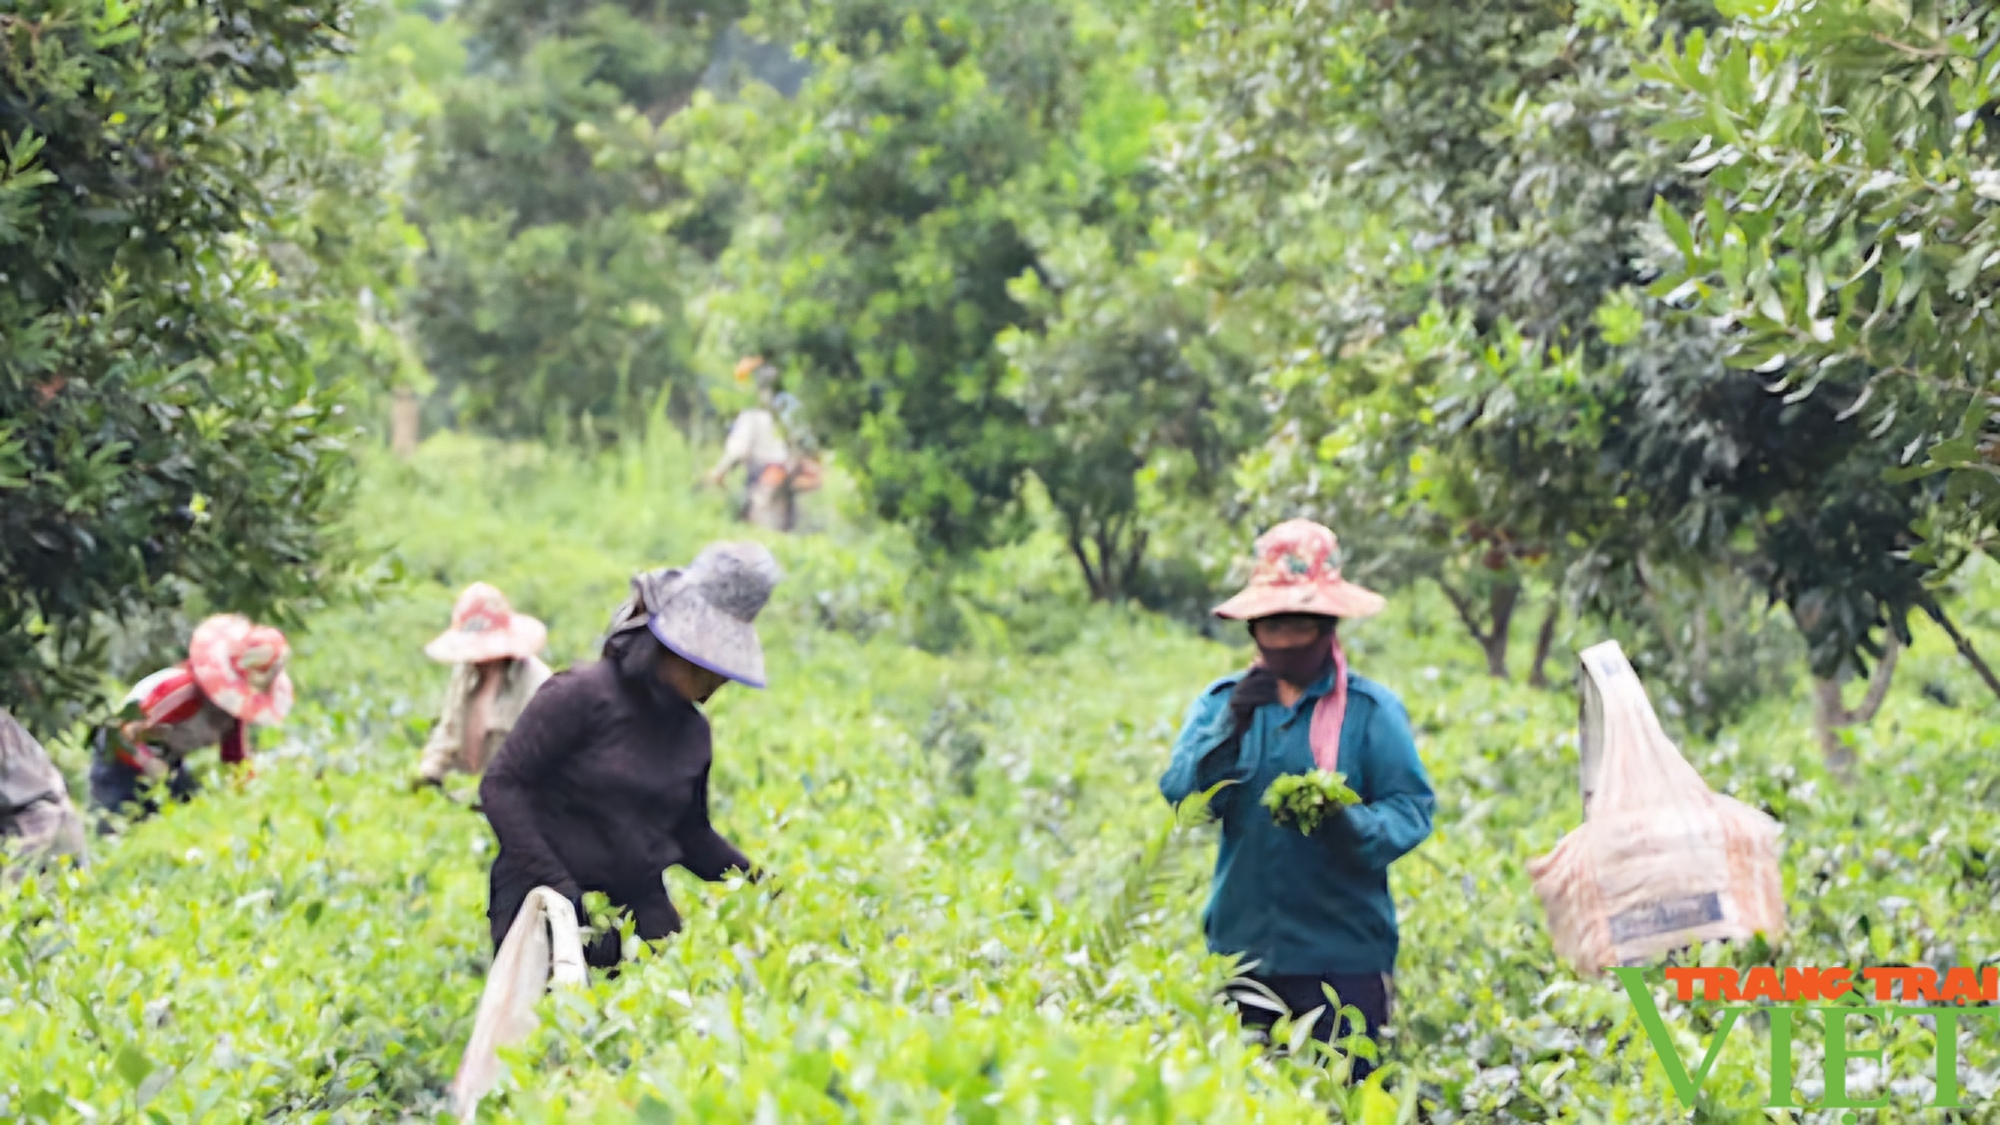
(1666, 915)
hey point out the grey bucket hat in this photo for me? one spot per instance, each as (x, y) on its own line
(704, 612)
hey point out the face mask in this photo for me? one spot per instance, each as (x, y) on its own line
(1299, 665)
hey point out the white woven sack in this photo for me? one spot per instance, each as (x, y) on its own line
(542, 947)
(1660, 861)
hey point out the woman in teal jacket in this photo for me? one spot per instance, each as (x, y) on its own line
(1304, 913)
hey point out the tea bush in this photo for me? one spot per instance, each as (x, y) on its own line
(980, 910)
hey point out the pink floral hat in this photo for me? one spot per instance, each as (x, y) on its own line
(240, 667)
(484, 627)
(1298, 571)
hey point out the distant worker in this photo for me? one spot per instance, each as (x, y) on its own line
(37, 821)
(1306, 912)
(603, 783)
(234, 677)
(773, 475)
(495, 671)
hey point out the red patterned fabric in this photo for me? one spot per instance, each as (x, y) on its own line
(168, 698)
(1329, 711)
(1298, 571)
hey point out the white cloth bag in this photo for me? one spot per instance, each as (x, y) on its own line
(542, 947)
(1660, 861)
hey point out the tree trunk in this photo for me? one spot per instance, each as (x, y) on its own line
(1119, 549)
(1091, 578)
(1964, 644)
(1492, 639)
(1830, 711)
(404, 418)
(1538, 675)
(1500, 610)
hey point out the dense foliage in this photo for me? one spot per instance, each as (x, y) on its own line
(1848, 227)
(162, 430)
(979, 910)
(968, 281)
(1515, 387)
(564, 235)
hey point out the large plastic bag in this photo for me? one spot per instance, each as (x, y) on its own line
(542, 947)
(1660, 861)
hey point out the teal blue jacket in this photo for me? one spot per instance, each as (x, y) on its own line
(1297, 904)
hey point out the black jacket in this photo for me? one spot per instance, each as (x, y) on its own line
(601, 785)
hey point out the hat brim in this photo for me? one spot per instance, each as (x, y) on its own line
(224, 686)
(709, 638)
(241, 702)
(1328, 599)
(524, 637)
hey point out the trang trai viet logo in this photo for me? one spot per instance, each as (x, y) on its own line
(1843, 1001)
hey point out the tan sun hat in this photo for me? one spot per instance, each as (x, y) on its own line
(240, 667)
(484, 627)
(1298, 571)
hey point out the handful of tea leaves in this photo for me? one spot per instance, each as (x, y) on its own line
(1305, 800)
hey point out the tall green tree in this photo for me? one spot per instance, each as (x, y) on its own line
(968, 282)
(1460, 204)
(162, 432)
(560, 265)
(1847, 234)
(882, 283)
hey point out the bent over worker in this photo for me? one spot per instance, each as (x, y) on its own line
(603, 783)
(234, 677)
(492, 651)
(1308, 912)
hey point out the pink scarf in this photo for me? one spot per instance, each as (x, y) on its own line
(1329, 711)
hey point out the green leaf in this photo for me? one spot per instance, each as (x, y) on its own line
(1676, 228)
(132, 1065)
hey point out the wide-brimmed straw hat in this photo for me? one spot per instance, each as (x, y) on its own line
(704, 613)
(484, 627)
(240, 667)
(1298, 571)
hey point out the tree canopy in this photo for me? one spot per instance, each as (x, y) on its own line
(162, 431)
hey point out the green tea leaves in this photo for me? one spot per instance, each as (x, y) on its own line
(1306, 801)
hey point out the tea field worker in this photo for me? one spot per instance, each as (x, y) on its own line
(495, 671)
(1304, 911)
(603, 783)
(37, 821)
(234, 677)
(757, 443)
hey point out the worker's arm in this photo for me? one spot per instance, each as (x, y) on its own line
(133, 747)
(1395, 813)
(443, 744)
(735, 448)
(235, 745)
(703, 850)
(556, 719)
(1204, 753)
